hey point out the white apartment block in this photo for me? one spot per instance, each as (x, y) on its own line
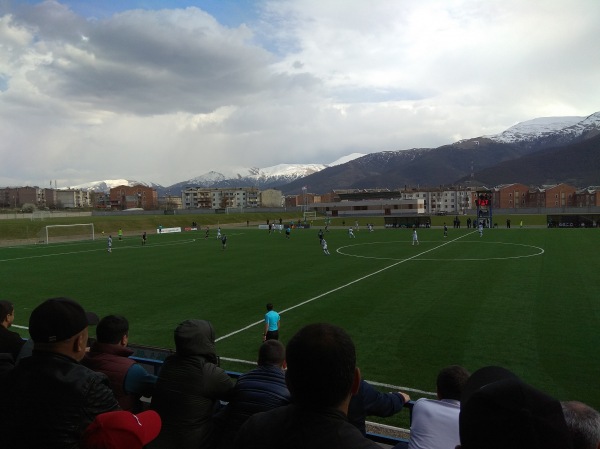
(206, 198)
(72, 198)
(442, 202)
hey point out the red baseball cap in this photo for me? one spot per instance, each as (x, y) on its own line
(120, 429)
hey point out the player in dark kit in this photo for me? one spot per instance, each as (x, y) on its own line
(144, 238)
(224, 241)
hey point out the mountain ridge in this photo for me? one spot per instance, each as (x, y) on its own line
(458, 162)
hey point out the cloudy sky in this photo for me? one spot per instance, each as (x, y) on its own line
(164, 91)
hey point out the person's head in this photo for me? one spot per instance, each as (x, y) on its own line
(450, 382)
(321, 362)
(498, 411)
(113, 329)
(7, 313)
(196, 337)
(583, 423)
(269, 307)
(61, 325)
(121, 429)
(271, 353)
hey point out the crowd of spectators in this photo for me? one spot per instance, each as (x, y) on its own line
(62, 392)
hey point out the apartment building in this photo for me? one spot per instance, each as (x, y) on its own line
(510, 196)
(207, 198)
(133, 197)
(71, 198)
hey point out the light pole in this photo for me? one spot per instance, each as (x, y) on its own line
(305, 199)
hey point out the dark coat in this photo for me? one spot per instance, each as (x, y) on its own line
(188, 388)
(51, 400)
(371, 402)
(10, 342)
(298, 427)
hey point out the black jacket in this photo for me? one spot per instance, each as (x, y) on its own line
(188, 389)
(298, 427)
(10, 342)
(50, 400)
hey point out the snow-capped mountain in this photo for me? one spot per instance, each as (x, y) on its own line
(345, 159)
(273, 176)
(268, 177)
(444, 164)
(530, 143)
(540, 129)
(207, 179)
(106, 185)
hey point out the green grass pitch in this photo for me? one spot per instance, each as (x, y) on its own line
(526, 299)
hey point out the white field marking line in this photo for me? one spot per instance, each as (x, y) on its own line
(386, 426)
(372, 382)
(539, 253)
(98, 249)
(340, 287)
(39, 246)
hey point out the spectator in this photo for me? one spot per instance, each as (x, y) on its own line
(370, 402)
(52, 397)
(321, 376)
(109, 355)
(434, 423)
(500, 411)
(121, 430)
(583, 423)
(10, 342)
(189, 386)
(259, 390)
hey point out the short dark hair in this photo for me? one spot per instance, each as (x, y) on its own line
(321, 360)
(451, 381)
(6, 308)
(269, 306)
(583, 423)
(271, 352)
(111, 329)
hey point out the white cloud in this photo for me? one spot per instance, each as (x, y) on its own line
(167, 95)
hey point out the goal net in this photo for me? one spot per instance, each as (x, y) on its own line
(310, 215)
(65, 233)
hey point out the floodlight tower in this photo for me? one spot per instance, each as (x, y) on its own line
(484, 207)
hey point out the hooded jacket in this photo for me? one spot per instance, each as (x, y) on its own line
(189, 386)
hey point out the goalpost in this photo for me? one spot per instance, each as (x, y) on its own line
(63, 233)
(310, 216)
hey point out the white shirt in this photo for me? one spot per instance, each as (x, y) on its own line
(434, 424)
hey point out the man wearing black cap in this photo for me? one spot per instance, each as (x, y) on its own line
(51, 398)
